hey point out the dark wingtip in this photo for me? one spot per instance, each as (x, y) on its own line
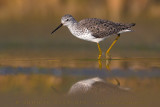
(132, 24)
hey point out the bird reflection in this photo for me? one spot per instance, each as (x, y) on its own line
(97, 85)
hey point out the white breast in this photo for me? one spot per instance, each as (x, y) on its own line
(81, 33)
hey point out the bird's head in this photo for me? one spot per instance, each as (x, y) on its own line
(66, 20)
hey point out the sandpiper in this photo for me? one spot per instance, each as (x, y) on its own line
(94, 30)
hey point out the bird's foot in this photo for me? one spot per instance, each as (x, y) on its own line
(108, 56)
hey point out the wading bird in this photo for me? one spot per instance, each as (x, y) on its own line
(94, 30)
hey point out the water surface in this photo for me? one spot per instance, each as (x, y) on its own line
(43, 81)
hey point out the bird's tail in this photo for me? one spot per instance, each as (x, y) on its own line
(132, 24)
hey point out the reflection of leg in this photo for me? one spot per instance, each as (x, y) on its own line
(118, 83)
(107, 52)
(100, 52)
(108, 62)
(100, 63)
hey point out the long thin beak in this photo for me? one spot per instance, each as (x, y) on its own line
(57, 28)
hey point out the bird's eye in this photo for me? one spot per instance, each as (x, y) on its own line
(67, 20)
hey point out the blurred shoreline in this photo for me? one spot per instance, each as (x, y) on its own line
(19, 9)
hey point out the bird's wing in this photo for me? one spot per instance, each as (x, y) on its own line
(102, 28)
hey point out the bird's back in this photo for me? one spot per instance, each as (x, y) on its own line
(102, 28)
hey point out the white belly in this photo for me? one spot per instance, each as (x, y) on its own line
(88, 37)
(85, 35)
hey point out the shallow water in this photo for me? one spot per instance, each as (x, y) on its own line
(37, 69)
(43, 81)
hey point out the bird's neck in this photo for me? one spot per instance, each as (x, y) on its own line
(73, 25)
(74, 28)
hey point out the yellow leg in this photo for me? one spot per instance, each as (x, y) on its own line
(107, 52)
(100, 52)
(100, 63)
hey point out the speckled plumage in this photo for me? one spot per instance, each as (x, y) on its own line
(93, 29)
(101, 28)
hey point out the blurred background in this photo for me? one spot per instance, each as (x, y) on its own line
(25, 27)
(34, 63)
